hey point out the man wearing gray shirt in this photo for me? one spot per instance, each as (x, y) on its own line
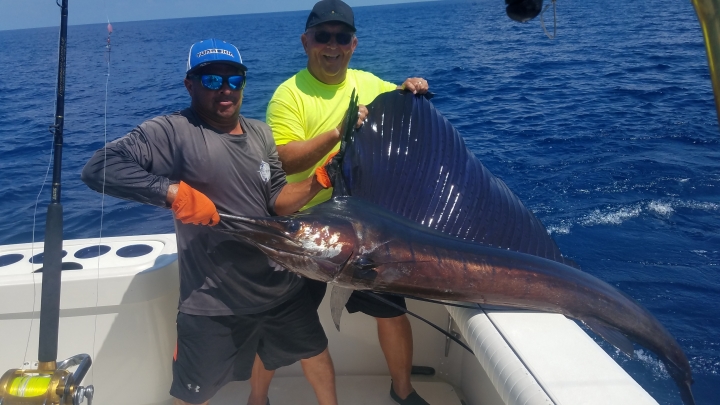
(235, 303)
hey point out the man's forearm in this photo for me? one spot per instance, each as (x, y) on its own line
(127, 179)
(298, 156)
(295, 195)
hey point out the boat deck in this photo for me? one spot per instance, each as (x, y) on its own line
(351, 390)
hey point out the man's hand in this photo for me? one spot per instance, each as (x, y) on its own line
(193, 207)
(362, 114)
(324, 172)
(416, 85)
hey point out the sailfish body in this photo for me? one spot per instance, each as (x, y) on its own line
(416, 213)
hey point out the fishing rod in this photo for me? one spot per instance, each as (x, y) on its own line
(439, 329)
(51, 383)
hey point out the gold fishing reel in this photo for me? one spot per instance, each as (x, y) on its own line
(49, 384)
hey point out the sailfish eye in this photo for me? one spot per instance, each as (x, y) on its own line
(293, 226)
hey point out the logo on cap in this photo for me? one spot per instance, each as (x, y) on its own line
(208, 51)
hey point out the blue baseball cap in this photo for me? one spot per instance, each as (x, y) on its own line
(213, 50)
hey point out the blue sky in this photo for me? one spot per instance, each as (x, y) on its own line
(18, 14)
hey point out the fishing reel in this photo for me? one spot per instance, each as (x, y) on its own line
(49, 384)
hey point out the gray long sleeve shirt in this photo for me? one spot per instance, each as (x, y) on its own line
(241, 174)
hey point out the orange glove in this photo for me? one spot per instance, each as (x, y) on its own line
(322, 174)
(193, 207)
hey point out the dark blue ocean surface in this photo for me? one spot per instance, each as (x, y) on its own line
(608, 133)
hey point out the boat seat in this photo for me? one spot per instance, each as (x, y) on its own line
(535, 358)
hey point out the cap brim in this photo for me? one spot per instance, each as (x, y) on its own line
(331, 19)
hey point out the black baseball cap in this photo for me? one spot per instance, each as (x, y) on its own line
(331, 11)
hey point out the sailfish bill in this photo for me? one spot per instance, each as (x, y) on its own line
(414, 212)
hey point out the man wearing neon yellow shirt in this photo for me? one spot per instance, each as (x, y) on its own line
(305, 114)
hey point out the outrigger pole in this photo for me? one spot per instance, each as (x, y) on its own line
(708, 12)
(51, 383)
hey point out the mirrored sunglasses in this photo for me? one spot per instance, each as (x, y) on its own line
(215, 82)
(324, 37)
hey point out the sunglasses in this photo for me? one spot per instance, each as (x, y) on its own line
(342, 38)
(215, 82)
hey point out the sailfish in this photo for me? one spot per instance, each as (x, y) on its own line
(414, 212)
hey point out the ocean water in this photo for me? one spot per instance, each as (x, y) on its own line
(608, 132)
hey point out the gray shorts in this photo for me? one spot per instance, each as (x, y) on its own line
(214, 350)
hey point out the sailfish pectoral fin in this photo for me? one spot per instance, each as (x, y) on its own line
(339, 296)
(612, 335)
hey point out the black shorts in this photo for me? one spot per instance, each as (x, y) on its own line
(360, 301)
(317, 290)
(214, 350)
